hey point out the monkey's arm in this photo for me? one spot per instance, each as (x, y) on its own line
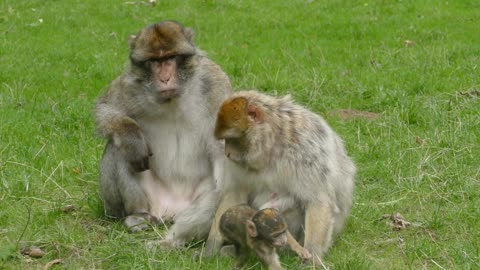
(110, 113)
(123, 131)
(269, 257)
(318, 226)
(303, 253)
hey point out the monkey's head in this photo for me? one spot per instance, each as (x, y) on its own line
(235, 116)
(161, 58)
(268, 225)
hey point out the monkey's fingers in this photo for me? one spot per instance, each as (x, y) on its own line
(141, 165)
(146, 163)
(304, 255)
(150, 153)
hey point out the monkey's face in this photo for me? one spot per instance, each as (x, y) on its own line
(271, 226)
(279, 239)
(236, 149)
(162, 59)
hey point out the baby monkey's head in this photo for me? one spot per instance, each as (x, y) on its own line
(268, 225)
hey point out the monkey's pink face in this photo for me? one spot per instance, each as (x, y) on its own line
(280, 240)
(163, 52)
(164, 77)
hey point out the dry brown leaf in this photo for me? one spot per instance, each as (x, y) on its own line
(346, 73)
(398, 221)
(471, 93)
(419, 141)
(149, 2)
(410, 43)
(375, 63)
(68, 208)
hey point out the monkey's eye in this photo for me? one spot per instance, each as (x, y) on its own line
(171, 57)
(149, 62)
(276, 235)
(183, 57)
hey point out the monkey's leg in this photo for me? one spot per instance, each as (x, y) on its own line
(109, 188)
(215, 238)
(318, 230)
(270, 259)
(194, 222)
(241, 253)
(121, 191)
(227, 251)
(136, 201)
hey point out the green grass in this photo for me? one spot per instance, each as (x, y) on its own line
(329, 55)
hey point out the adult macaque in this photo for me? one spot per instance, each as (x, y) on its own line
(161, 161)
(284, 156)
(259, 231)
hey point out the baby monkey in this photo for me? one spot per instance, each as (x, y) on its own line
(259, 231)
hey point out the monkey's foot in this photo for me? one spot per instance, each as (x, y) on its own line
(136, 224)
(227, 251)
(314, 261)
(164, 244)
(139, 222)
(212, 245)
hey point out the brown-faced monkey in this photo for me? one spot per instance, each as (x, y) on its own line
(259, 231)
(284, 156)
(161, 161)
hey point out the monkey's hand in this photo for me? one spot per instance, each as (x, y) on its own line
(304, 254)
(133, 146)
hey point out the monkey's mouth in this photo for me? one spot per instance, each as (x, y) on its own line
(165, 96)
(169, 93)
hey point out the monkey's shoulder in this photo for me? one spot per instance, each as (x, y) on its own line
(215, 84)
(120, 90)
(240, 210)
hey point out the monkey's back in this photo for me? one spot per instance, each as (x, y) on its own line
(297, 143)
(233, 223)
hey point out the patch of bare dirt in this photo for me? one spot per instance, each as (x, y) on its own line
(347, 114)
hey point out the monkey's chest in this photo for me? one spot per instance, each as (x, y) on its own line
(265, 186)
(165, 201)
(179, 152)
(179, 168)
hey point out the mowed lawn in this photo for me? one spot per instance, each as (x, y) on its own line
(398, 80)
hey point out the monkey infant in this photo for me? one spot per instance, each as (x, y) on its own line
(284, 156)
(259, 231)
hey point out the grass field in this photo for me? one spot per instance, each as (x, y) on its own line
(413, 65)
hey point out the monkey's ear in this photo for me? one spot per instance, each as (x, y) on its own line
(131, 41)
(251, 229)
(189, 34)
(256, 113)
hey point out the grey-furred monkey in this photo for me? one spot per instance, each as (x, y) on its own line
(284, 156)
(161, 161)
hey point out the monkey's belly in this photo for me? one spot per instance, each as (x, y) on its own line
(165, 203)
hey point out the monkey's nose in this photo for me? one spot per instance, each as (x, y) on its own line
(165, 80)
